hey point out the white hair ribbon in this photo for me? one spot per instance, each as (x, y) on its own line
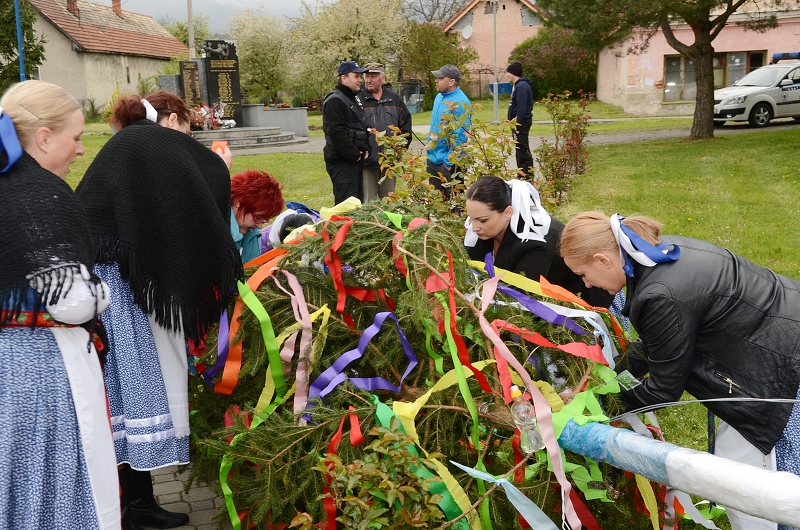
(527, 208)
(150, 111)
(632, 245)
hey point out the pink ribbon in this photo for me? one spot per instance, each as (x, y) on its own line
(542, 408)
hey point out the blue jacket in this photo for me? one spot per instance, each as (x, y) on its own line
(521, 105)
(249, 243)
(445, 146)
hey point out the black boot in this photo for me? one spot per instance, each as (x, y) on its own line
(125, 500)
(145, 510)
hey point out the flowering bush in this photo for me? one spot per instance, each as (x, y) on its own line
(283, 105)
(208, 118)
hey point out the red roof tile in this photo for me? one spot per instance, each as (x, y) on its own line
(99, 29)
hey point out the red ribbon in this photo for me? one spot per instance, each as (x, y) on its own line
(355, 438)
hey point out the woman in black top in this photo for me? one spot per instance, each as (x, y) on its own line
(507, 220)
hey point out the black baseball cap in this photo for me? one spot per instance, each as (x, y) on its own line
(345, 67)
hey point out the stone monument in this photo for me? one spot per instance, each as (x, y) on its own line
(222, 72)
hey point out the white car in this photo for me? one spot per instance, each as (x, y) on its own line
(772, 91)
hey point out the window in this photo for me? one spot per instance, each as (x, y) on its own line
(37, 74)
(680, 81)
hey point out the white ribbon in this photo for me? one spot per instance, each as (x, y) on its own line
(150, 111)
(625, 244)
(527, 207)
(526, 507)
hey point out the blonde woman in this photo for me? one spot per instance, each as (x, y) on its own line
(711, 323)
(57, 466)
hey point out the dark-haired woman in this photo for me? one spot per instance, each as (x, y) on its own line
(710, 323)
(255, 199)
(56, 450)
(506, 219)
(158, 205)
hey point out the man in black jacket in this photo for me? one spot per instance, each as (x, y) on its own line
(382, 107)
(521, 108)
(346, 137)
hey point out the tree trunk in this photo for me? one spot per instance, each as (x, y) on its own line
(703, 125)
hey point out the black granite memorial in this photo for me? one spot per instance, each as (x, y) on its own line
(222, 71)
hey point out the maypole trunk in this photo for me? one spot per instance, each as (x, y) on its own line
(771, 495)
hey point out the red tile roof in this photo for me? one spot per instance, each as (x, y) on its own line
(99, 29)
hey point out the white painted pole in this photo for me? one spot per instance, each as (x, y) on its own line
(770, 495)
(496, 89)
(190, 25)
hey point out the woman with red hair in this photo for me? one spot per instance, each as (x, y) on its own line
(255, 199)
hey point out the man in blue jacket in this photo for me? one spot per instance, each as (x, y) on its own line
(450, 101)
(521, 108)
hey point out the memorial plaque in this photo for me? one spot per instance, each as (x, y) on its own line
(222, 67)
(190, 83)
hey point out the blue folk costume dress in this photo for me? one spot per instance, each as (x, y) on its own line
(158, 204)
(57, 466)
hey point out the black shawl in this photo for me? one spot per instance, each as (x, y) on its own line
(159, 205)
(43, 235)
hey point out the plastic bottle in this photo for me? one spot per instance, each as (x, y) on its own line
(524, 416)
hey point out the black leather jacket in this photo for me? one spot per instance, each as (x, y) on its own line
(718, 326)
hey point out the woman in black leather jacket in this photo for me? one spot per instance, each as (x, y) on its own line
(710, 322)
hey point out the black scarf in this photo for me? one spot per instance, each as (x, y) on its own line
(44, 236)
(159, 205)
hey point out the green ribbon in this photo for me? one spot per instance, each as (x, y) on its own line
(448, 504)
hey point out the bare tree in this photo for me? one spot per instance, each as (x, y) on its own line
(433, 11)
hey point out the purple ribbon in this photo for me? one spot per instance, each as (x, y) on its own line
(534, 306)
(334, 375)
(222, 348)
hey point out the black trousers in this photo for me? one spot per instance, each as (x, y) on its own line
(523, 149)
(446, 173)
(346, 179)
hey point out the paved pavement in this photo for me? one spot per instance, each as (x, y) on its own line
(202, 504)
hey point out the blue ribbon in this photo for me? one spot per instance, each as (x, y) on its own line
(526, 507)
(9, 142)
(654, 252)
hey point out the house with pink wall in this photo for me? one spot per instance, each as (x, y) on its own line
(659, 81)
(516, 21)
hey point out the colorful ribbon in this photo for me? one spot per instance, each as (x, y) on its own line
(631, 245)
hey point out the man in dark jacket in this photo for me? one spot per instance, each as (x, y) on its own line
(346, 137)
(521, 108)
(382, 107)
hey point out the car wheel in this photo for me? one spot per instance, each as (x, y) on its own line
(718, 123)
(761, 115)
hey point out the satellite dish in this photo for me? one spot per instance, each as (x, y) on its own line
(466, 33)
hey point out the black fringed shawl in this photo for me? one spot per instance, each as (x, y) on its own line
(44, 236)
(158, 204)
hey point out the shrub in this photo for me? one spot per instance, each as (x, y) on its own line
(561, 160)
(92, 113)
(555, 63)
(297, 101)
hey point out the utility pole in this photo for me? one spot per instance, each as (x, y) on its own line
(190, 25)
(496, 88)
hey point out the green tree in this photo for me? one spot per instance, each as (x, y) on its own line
(32, 44)
(180, 30)
(555, 62)
(602, 24)
(427, 49)
(350, 30)
(262, 44)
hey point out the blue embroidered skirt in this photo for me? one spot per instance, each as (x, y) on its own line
(44, 482)
(144, 435)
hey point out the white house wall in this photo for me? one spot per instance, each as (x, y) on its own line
(90, 75)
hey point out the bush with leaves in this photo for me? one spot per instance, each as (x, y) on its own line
(558, 162)
(555, 62)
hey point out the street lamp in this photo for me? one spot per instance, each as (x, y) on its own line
(190, 25)
(494, 10)
(19, 41)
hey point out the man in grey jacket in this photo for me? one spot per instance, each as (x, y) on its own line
(382, 107)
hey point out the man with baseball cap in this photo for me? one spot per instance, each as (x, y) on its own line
(346, 137)
(382, 107)
(450, 101)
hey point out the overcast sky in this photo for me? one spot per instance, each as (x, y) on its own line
(218, 10)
